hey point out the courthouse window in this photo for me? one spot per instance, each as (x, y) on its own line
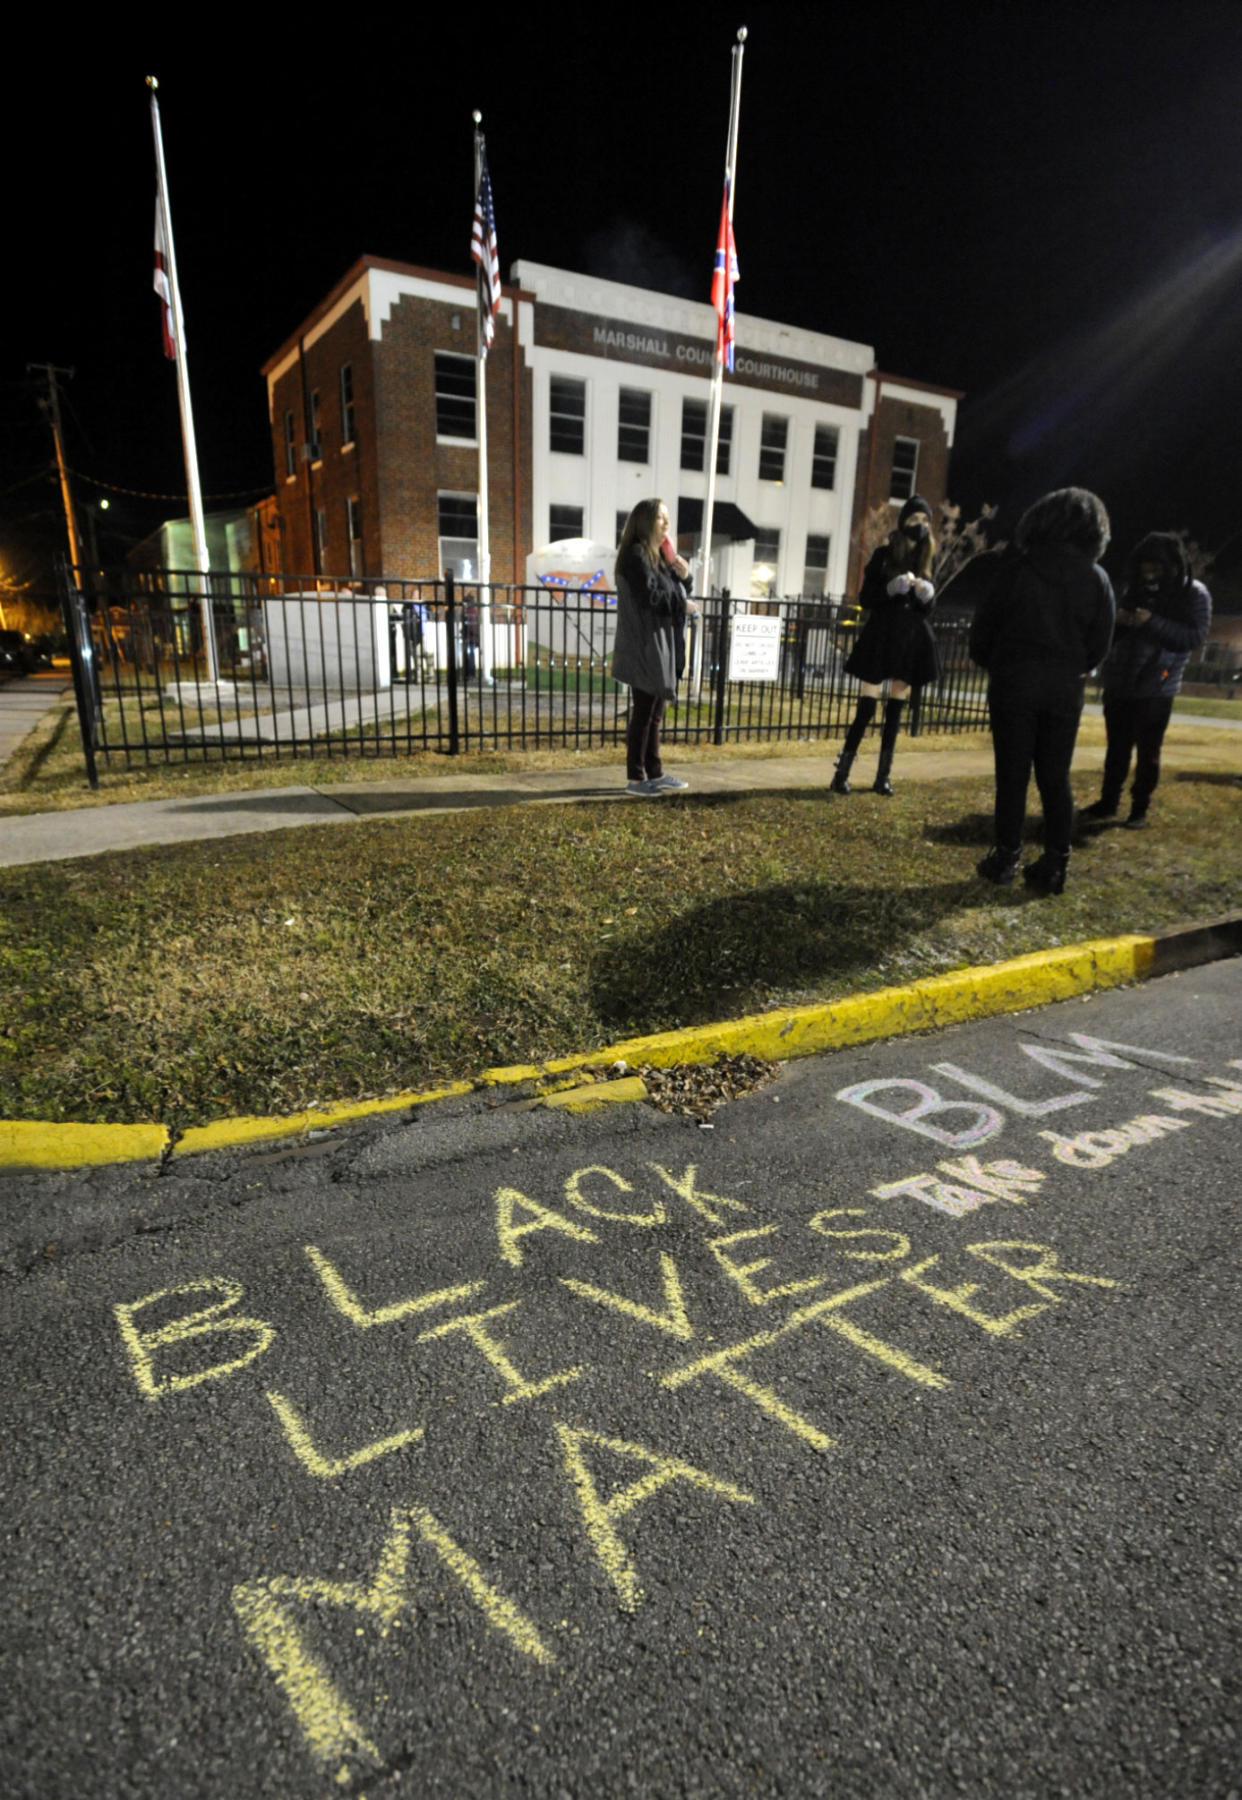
(905, 468)
(347, 403)
(815, 569)
(567, 416)
(772, 443)
(694, 423)
(824, 457)
(459, 534)
(763, 573)
(634, 426)
(455, 396)
(564, 522)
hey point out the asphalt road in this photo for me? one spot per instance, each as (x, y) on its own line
(823, 1452)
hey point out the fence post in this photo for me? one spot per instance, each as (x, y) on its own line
(722, 666)
(82, 660)
(450, 633)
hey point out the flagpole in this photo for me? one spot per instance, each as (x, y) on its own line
(713, 435)
(480, 349)
(197, 526)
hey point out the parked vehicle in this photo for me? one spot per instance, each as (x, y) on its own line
(17, 654)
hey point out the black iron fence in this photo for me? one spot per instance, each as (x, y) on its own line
(261, 667)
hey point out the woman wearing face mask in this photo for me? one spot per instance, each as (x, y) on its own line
(896, 643)
(649, 653)
(1164, 615)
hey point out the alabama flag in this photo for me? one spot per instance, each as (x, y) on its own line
(723, 277)
(162, 287)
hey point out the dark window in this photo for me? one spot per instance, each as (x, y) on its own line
(353, 535)
(316, 442)
(567, 416)
(905, 467)
(824, 457)
(622, 520)
(347, 403)
(815, 570)
(564, 522)
(634, 426)
(321, 540)
(291, 445)
(458, 518)
(694, 423)
(455, 392)
(772, 448)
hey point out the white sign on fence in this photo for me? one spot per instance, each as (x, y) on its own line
(754, 648)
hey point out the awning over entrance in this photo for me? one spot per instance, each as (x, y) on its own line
(728, 521)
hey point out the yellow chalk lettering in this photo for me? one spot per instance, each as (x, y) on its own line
(721, 1363)
(770, 1402)
(206, 1321)
(898, 1242)
(1036, 1274)
(542, 1218)
(475, 1327)
(328, 1723)
(499, 1612)
(600, 1515)
(741, 1272)
(327, 1467)
(346, 1301)
(700, 1202)
(959, 1298)
(573, 1193)
(674, 1319)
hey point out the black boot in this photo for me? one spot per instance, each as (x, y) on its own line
(1047, 876)
(888, 744)
(1103, 808)
(999, 865)
(863, 715)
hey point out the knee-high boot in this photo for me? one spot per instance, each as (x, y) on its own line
(863, 716)
(888, 744)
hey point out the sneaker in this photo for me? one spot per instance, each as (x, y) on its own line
(642, 790)
(666, 784)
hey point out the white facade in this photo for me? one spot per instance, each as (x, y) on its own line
(672, 341)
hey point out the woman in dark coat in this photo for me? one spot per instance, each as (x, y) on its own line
(896, 643)
(649, 652)
(1047, 621)
(1165, 615)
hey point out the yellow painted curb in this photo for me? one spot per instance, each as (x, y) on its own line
(222, 1134)
(975, 993)
(43, 1144)
(591, 1095)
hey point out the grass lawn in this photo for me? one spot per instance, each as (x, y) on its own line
(265, 973)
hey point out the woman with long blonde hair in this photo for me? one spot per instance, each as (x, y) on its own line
(649, 653)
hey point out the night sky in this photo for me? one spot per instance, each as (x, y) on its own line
(1038, 204)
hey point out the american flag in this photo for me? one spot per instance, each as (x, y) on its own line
(483, 251)
(723, 277)
(161, 284)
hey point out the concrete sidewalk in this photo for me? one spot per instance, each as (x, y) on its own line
(129, 825)
(92, 831)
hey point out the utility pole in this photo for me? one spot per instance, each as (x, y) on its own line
(51, 406)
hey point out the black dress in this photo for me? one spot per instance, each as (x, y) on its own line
(896, 643)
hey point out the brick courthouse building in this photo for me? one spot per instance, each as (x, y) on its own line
(597, 394)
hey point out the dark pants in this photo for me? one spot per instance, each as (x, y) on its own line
(1134, 726)
(1034, 731)
(642, 736)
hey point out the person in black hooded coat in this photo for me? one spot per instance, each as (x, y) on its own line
(1164, 617)
(1047, 621)
(896, 643)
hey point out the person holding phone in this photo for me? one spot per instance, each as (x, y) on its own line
(649, 653)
